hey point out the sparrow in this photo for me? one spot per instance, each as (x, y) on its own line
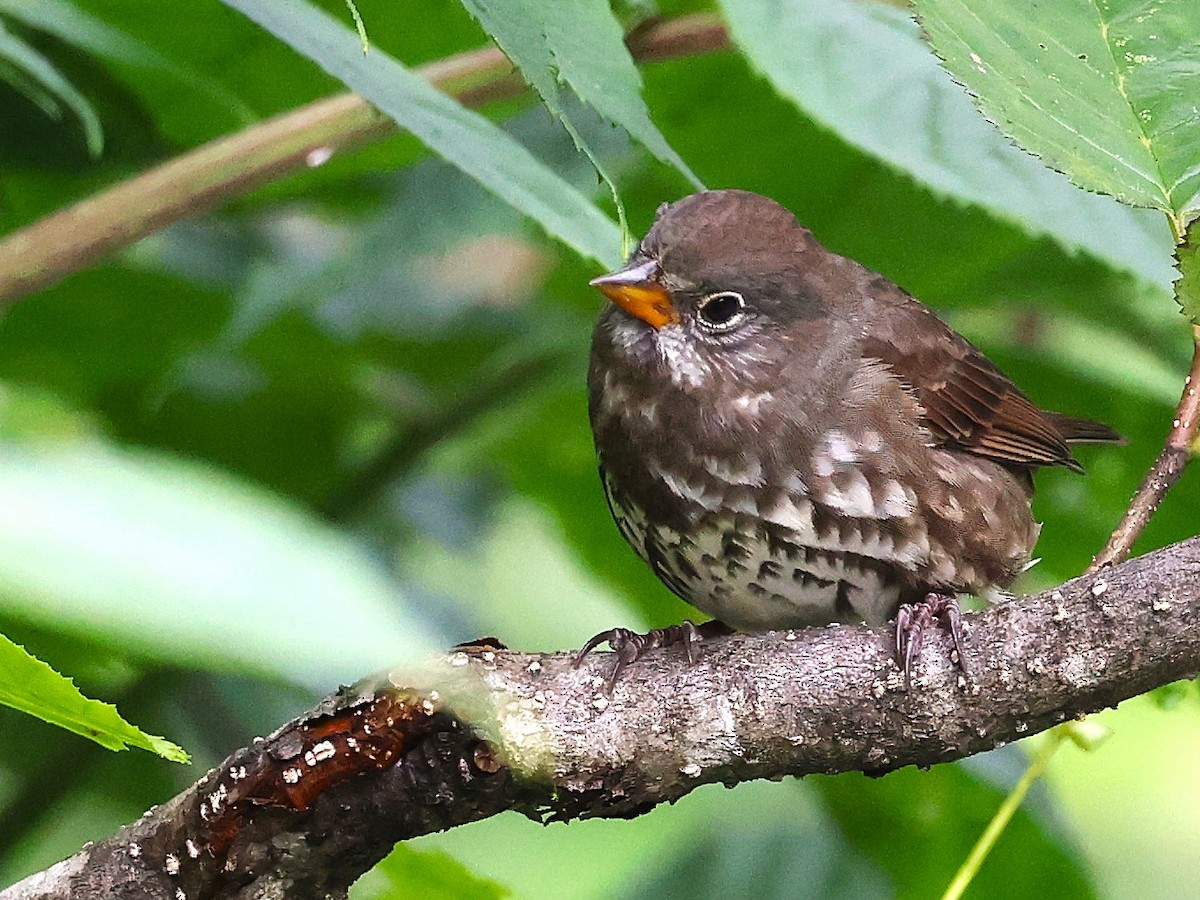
(789, 439)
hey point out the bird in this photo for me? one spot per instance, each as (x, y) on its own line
(790, 439)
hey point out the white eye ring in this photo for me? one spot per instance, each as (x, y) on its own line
(722, 311)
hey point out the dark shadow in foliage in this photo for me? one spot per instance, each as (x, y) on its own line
(771, 862)
(920, 826)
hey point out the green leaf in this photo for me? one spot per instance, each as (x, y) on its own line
(1101, 90)
(428, 874)
(464, 138)
(903, 110)
(28, 684)
(34, 75)
(1187, 288)
(75, 26)
(579, 44)
(178, 562)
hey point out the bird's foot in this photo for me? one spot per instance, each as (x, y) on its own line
(914, 619)
(629, 646)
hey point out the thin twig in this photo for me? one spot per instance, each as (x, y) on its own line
(48, 250)
(1166, 470)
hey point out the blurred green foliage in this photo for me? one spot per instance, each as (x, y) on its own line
(370, 373)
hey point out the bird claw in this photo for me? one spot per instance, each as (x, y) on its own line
(630, 646)
(914, 619)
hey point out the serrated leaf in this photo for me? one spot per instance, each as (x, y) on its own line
(1187, 288)
(31, 686)
(579, 44)
(464, 138)
(1104, 91)
(179, 562)
(903, 110)
(35, 76)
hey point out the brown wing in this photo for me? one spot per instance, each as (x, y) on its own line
(969, 403)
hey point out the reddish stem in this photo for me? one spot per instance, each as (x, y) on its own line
(1163, 474)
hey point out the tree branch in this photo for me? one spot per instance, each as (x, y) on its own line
(66, 241)
(304, 812)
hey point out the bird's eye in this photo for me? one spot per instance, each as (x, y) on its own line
(721, 311)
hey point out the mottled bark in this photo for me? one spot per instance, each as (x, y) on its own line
(303, 812)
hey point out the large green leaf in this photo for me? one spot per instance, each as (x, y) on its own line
(464, 138)
(1102, 90)
(28, 684)
(178, 562)
(579, 44)
(902, 109)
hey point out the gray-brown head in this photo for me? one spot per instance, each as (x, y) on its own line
(717, 275)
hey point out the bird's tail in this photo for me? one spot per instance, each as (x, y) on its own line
(1077, 430)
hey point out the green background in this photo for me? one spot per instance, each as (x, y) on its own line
(341, 421)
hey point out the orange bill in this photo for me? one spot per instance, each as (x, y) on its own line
(637, 290)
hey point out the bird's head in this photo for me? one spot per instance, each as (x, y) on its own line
(716, 273)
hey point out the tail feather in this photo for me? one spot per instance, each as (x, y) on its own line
(1079, 430)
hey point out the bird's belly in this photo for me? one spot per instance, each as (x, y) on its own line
(756, 578)
(785, 558)
(755, 574)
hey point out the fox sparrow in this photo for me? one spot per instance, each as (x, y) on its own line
(790, 439)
